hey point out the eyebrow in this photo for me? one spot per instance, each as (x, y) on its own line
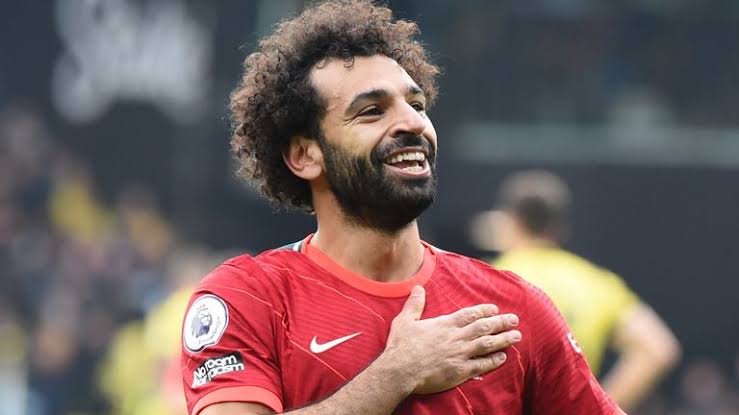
(378, 94)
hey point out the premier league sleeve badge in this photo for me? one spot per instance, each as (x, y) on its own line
(205, 322)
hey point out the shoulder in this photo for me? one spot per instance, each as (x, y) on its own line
(236, 294)
(232, 284)
(263, 269)
(234, 272)
(522, 296)
(451, 259)
(239, 281)
(584, 267)
(602, 279)
(481, 275)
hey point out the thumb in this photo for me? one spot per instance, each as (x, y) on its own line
(413, 307)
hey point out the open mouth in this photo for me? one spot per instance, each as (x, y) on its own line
(409, 162)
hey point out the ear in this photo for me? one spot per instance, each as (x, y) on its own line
(304, 158)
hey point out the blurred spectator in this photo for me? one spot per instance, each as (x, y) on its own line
(140, 373)
(602, 312)
(705, 391)
(73, 270)
(73, 206)
(13, 361)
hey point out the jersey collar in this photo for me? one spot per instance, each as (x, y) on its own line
(365, 284)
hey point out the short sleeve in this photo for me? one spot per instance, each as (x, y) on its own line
(228, 342)
(560, 380)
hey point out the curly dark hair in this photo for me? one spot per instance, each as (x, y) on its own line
(275, 100)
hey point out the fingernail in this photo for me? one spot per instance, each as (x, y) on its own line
(515, 335)
(416, 290)
(500, 357)
(513, 320)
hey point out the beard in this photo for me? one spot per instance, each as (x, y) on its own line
(371, 197)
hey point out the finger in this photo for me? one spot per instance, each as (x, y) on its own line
(481, 365)
(489, 325)
(467, 315)
(413, 307)
(486, 345)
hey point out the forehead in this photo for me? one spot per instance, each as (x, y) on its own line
(338, 82)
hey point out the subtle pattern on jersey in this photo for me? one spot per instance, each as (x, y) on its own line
(281, 299)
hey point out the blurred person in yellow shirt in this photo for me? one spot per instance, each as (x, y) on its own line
(13, 360)
(527, 229)
(140, 374)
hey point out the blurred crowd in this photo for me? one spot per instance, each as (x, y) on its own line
(705, 388)
(82, 280)
(92, 292)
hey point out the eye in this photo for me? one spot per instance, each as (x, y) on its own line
(371, 111)
(418, 106)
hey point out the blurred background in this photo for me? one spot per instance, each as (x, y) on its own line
(117, 190)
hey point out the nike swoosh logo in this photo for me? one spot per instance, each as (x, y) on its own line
(316, 348)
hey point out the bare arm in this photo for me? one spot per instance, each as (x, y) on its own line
(647, 350)
(421, 356)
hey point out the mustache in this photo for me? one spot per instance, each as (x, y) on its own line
(403, 141)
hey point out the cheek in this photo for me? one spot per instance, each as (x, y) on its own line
(360, 141)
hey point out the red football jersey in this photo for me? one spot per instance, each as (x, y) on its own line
(289, 327)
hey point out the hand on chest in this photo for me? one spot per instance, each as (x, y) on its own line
(329, 342)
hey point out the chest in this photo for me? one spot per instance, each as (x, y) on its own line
(330, 337)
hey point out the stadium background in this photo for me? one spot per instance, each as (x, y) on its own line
(115, 175)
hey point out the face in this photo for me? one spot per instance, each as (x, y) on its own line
(378, 145)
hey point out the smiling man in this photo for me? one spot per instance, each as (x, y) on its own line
(363, 317)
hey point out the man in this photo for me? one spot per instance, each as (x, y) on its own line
(601, 310)
(362, 317)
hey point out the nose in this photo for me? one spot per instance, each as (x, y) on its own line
(409, 121)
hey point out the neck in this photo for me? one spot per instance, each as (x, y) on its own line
(376, 255)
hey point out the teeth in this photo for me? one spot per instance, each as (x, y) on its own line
(410, 156)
